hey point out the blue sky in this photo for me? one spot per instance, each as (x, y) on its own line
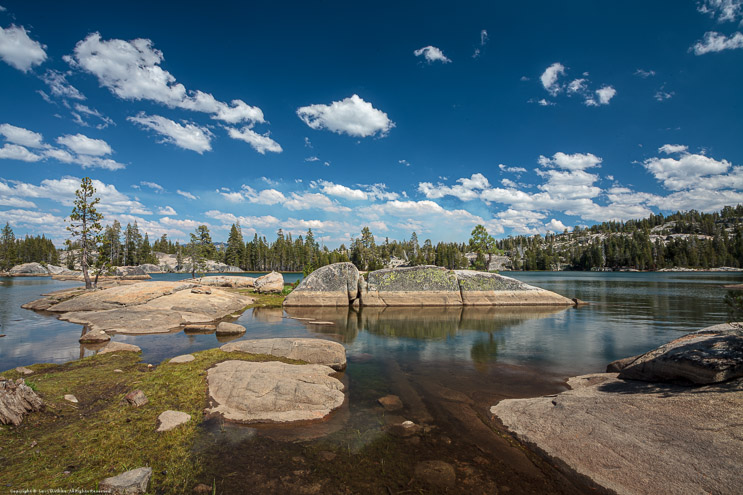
(428, 117)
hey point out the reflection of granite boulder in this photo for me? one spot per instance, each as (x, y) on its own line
(331, 285)
(413, 286)
(251, 392)
(712, 355)
(491, 289)
(268, 315)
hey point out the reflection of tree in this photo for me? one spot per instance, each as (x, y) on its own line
(484, 352)
(734, 303)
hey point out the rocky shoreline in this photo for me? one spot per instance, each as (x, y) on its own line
(667, 421)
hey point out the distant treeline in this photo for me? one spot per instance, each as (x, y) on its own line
(29, 249)
(691, 239)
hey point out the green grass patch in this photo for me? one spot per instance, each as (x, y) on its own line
(78, 445)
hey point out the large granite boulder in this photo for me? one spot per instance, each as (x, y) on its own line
(330, 285)
(313, 351)
(251, 392)
(413, 286)
(145, 307)
(29, 270)
(634, 437)
(150, 268)
(491, 289)
(272, 282)
(116, 297)
(201, 308)
(134, 320)
(231, 281)
(131, 272)
(712, 355)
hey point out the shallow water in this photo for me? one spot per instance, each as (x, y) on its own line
(629, 313)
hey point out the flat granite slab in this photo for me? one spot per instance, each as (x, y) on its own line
(273, 392)
(636, 437)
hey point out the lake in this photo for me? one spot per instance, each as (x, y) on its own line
(629, 313)
(447, 366)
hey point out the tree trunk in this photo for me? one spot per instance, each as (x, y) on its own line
(84, 263)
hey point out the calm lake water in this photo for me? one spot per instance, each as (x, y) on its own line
(629, 313)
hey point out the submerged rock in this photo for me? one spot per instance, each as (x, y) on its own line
(436, 473)
(330, 285)
(251, 392)
(313, 351)
(132, 482)
(712, 355)
(637, 437)
(273, 282)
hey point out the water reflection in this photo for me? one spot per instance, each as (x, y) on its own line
(430, 323)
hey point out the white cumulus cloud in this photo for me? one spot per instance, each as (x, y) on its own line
(18, 50)
(352, 116)
(21, 136)
(549, 78)
(131, 70)
(716, 42)
(576, 161)
(432, 54)
(83, 145)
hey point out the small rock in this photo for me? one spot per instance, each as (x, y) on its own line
(225, 328)
(118, 371)
(119, 347)
(199, 328)
(71, 398)
(324, 323)
(185, 358)
(128, 483)
(436, 473)
(33, 444)
(95, 337)
(136, 398)
(408, 424)
(273, 282)
(171, 419)
(390, 402)
(149, 366)
(578, 302)
(24, 371)
(201, 290)
(202, 488)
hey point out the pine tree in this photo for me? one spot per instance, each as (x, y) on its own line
(85, 224)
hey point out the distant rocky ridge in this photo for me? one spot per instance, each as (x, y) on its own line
(341, 284)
